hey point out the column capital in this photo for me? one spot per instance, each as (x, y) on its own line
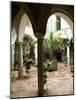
(39, 35)
(19, 43)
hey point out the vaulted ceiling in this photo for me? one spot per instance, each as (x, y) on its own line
(40, 12)
(35, 8)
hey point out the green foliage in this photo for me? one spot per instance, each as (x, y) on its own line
(50, 66)
(28, 62)
(46, 65)
(51, 43)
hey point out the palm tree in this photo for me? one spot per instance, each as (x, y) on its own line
(51, 43)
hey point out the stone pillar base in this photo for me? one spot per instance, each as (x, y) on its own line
(20, 72)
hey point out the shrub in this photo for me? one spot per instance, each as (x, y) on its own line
(28, 62)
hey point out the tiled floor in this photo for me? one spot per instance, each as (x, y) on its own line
(59, 82)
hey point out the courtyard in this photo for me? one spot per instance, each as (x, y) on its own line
(59, 82)
(42, 49)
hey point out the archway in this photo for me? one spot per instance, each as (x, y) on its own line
(25, 28)
(39, 29)
(60, 24)
(27, 40)
(59, 28)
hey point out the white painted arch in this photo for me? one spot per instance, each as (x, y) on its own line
(25, 28)
(65, 18)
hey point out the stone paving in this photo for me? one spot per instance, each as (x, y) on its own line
(59, 82)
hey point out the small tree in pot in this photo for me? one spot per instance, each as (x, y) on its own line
(28, 62)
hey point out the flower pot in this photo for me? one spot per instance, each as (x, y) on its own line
(45, 77)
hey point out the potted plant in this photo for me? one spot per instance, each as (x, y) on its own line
(50, 66)
(28, 62)
(45, 69)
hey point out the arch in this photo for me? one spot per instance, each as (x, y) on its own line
(69, 23)
(66, 18)
(20, 15)
(17, 19)
(29, 31)
(23, 24)
(49, 10)
(66, 10)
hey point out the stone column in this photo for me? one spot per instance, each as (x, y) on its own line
(35, 50)
(20, 57)
(68, 56)
(12, 56)
(40, 64)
